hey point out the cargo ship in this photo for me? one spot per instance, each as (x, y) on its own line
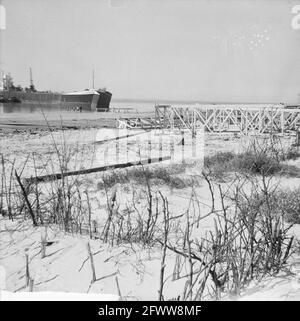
(87, 100)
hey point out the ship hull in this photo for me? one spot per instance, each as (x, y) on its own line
(89, 100)
(95, 101)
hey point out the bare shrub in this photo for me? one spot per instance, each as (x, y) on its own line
(134, 224)
(249, 240)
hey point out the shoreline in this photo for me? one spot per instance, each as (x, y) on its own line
(62, 120)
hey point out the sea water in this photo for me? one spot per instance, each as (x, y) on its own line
(32, 107)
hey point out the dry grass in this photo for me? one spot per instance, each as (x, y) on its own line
(258, 159)
(159, 175)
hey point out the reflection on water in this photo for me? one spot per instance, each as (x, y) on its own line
(28, 107)
(32, 107)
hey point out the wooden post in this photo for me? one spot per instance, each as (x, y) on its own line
(182, 147)
(56, 176)
(282, 120)
(160, 146)
(95, 229)
(149, 148)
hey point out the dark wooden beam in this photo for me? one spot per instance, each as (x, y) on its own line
(52, 177)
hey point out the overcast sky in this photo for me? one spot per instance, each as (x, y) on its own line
(212, 50)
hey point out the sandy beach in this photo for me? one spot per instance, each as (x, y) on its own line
(57, 119)
(38, 151)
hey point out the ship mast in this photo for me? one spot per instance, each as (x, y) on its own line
(30, 76)
(31, 87)
(93, 79)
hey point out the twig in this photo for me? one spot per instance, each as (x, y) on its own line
(26, 199)
(118, 286)
(94, 278)
(163, 258)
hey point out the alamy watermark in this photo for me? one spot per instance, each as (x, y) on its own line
(2, 17)
(295, 23)
(119, 146)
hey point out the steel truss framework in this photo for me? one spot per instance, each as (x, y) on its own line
(217, 118)
(245, 120)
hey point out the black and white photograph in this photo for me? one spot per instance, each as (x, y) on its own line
(150, 151)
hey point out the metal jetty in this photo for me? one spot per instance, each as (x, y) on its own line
(220, 118)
